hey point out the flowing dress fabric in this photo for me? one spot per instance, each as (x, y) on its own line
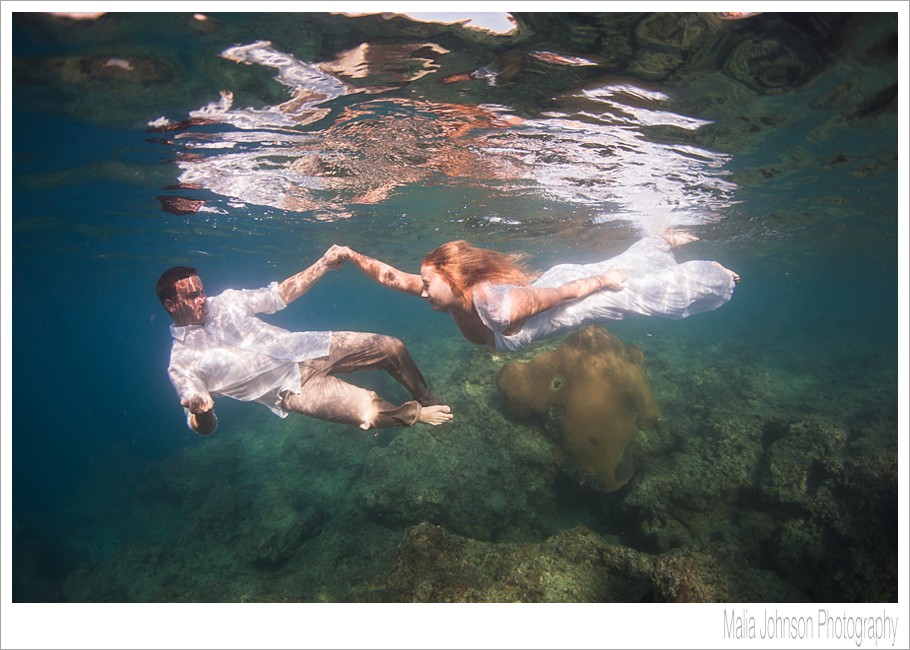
(656, 285)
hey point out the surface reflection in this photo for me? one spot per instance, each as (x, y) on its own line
(598, 150)
(325, 151)
(496, 23)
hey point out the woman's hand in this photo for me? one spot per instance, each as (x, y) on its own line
(613, 280)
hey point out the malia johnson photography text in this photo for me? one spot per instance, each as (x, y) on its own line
(878, 629)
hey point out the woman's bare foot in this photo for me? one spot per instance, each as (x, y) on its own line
(435, 415)
(732, 274)
(676, 237)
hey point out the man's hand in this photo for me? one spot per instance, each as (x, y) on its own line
(202, 408)
(198, 404)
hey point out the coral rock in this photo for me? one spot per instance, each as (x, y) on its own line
(597, 389)
(576, 565)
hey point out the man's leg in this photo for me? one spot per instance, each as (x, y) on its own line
(325, 397)
(352, 351)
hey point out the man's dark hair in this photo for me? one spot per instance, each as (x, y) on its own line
(166, 287)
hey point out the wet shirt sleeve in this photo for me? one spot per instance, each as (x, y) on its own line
(185, 379)
(493, 303)
(253, 301)
(183, 375)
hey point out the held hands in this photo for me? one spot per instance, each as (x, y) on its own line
(336, 256)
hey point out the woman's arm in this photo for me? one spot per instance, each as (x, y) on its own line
(384, 274)
(528, 301)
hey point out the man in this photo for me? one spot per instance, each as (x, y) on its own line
(221, 348)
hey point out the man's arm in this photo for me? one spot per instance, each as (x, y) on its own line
(528, 301)
(297, 285)
(384, 274)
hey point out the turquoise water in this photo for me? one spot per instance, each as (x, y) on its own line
(774, 139)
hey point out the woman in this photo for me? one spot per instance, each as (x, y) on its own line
(496, 301)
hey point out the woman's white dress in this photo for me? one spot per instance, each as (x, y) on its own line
(656, 285)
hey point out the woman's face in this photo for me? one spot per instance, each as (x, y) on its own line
(436, 290)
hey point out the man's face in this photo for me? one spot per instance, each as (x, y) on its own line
(189, 308)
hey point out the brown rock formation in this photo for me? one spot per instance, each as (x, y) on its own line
(597, 389)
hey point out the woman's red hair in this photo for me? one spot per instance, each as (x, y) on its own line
(464, 265)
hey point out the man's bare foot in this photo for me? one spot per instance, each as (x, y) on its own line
(676, 237)
(435, 415)
(732, 274)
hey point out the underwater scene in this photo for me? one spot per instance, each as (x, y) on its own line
(747, 453)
